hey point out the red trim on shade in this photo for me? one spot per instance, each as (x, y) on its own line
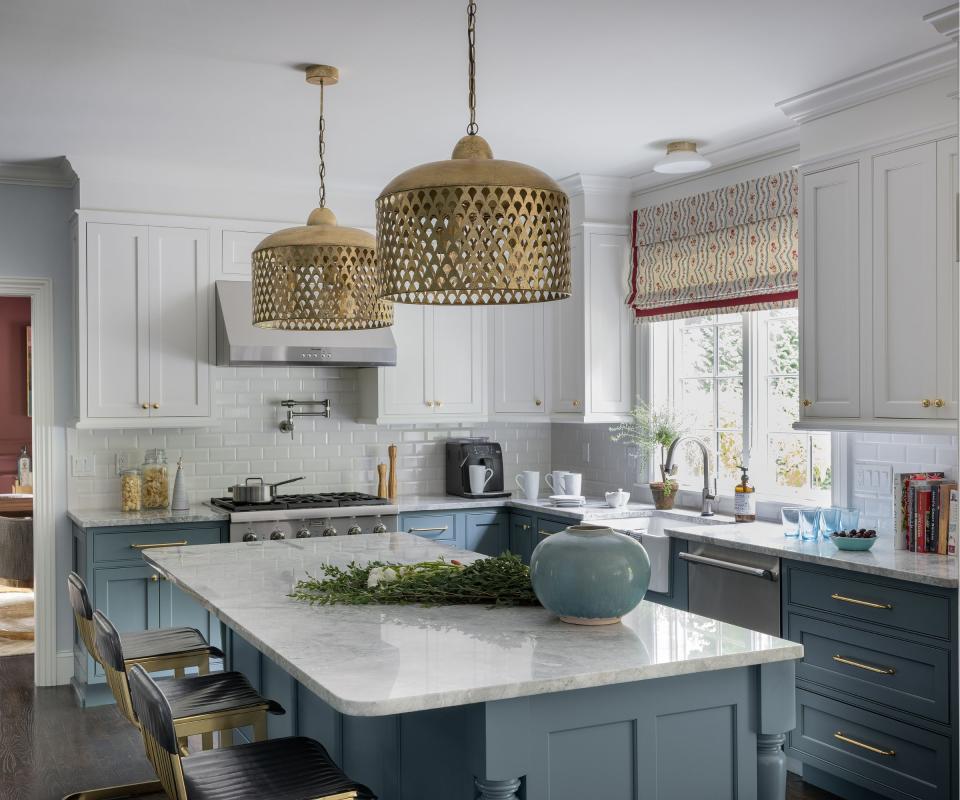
(635, 257)
(743, 302)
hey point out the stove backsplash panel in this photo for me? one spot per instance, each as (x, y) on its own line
(336, 454)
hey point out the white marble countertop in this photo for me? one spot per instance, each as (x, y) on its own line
(594, 509)
(881, 559)
(112, 518)
(379, 660)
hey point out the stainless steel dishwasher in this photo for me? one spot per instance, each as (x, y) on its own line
(734, 586)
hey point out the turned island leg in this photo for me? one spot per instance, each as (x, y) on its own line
(777, 717)
(496, 790)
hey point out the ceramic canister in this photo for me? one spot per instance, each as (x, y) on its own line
(589, 574)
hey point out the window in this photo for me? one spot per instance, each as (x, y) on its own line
(735, 380)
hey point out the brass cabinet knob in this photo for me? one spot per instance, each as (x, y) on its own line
(807, 403)
(576, 404)
(156, 405)
(154, 578)
(145, 405)
(429, 403)
(939, 403)
(439, 403)
(925, 403)
(538, 402)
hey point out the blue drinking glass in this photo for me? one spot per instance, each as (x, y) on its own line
(849, 519)
(830, 519)
(809, 523)
(790, 517)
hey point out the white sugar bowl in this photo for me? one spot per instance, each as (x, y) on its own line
(617, 499)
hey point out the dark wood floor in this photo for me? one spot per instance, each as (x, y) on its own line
(49, 747)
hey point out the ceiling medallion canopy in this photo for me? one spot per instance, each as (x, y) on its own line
(320, 276)
(682, 158)
(473, 230)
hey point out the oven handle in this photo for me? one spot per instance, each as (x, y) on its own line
(743, 569)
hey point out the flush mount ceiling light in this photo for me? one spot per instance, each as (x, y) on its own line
(473, 230)
(320, 276)
(681, 158)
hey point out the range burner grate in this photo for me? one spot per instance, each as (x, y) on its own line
(286, 502)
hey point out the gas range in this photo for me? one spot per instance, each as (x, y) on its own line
(301, 516)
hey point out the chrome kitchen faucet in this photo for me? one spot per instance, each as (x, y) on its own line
(707, 497)
(287, 425)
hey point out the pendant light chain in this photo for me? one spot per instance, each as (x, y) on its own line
(322, 150)
(472, 128)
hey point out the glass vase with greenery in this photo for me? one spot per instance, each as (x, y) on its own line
(649, 427)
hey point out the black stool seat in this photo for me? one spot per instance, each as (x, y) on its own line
(279, 769)
(153, 644)
(217, 693)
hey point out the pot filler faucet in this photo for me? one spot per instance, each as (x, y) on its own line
(707, 497)
(287, 425)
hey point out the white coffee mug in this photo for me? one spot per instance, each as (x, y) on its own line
(572, 482)
(528, 482)
(479, 478)
(555, 481)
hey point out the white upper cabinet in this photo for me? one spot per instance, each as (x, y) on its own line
(144, 344)
(594, 330)
(948, 266)
(830, 293)
(520, 359)
(905, 323)
(440, 370)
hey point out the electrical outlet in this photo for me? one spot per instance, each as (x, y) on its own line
(871, 479)
(123, 462)
(84, 466)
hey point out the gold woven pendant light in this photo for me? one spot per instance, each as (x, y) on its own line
(319, 277)
(473, 230)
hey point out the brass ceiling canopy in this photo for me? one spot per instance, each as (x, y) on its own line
(320, 276)
(474, 230)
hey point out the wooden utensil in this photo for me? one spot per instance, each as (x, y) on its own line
(382, 485)
(392, 485)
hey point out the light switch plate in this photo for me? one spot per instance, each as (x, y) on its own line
(871, 479)
(84, 466)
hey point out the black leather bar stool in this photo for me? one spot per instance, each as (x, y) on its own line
(293, 768)
(200, 704)
(158, 651)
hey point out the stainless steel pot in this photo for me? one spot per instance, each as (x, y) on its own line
(260, 492)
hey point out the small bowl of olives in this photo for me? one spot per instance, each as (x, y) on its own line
(854, 539)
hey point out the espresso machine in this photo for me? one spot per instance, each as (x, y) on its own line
(464, 453)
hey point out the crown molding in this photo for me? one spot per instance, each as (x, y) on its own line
(760, 148)
(579, 183)
(946, 21)
(875, 83)
(50, 172)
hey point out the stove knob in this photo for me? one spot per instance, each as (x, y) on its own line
(379, 528)
(330, 531)
(354, 530)
(304, 533)
(277, 534)
(249, 536)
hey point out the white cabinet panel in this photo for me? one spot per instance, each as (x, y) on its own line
(457, 345)
(609, 326)
(179, 322)
(519, 359)
(236, 250)
(830, 293)
(948, 266)
(569, 374)
(408, 387)
(116, 321)
(905, 283)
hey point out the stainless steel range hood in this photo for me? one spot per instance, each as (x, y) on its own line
(241, 343)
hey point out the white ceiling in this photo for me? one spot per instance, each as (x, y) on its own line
(571, 86)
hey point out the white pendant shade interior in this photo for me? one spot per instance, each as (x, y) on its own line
(682, 158)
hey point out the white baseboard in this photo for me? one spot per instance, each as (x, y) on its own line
(64, 667)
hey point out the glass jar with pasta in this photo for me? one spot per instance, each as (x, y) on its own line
(156, 480)
(131, 489)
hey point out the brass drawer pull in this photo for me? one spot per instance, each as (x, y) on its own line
(856, 602)
(158, 544)
(860, 665)
(839, 735)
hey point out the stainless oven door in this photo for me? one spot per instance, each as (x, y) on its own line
(734, 586)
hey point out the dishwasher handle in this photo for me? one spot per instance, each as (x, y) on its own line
(743, 569)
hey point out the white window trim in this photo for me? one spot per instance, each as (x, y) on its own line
(767, 507)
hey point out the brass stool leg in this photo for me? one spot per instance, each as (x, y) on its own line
(226, 738)
(260, 729)
(206, 741)
(179, 672)
(128, 790)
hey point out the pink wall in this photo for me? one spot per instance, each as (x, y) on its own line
(14, 422)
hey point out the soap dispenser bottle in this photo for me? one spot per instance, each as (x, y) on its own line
(744, 499)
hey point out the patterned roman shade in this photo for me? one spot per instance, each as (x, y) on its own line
(733, 249)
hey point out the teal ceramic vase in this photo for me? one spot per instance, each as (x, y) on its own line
(589, 574)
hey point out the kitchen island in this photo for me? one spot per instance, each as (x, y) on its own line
(459, 702)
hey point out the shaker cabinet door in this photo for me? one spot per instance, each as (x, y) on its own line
(519, 359)
(569, 370)
(906, 283)
(117, 325)
(830, 293)
(408, 386)
(458, 351)
(610, 329)
(179, 323)
(948, 266)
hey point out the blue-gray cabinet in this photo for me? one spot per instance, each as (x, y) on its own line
(487, 532)
(132, 594)
(523, 535)
(877, 687)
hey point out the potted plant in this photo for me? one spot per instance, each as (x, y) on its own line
(650, 426)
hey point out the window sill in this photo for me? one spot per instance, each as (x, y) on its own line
(768, 509)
